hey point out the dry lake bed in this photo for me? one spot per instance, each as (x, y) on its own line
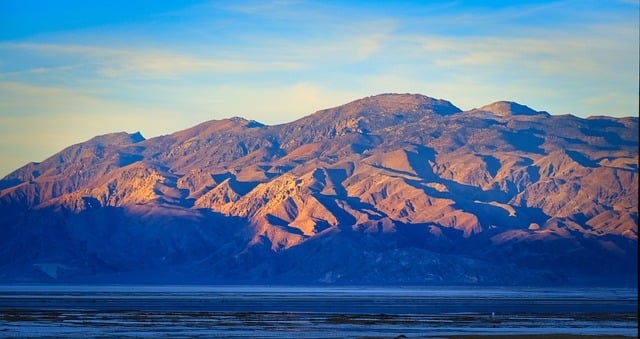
(314, 312)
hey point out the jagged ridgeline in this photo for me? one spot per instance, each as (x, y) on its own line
(389, 189)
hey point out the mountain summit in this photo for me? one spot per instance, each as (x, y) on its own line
(389, 189)
(507, 108)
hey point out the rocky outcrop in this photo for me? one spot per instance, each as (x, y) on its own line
(386, 189)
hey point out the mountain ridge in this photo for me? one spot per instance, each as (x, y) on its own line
(502, 194)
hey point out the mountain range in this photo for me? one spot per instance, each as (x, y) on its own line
(389, 189)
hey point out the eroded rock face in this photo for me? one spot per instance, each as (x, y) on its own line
(386, 189)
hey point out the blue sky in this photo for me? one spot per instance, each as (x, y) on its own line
(70, 70)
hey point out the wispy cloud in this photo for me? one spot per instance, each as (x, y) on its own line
(152, 65)
(146, 63)
(558, 56)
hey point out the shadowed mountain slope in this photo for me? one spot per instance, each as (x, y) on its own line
(389, 189)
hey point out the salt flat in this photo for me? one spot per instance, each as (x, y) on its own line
(311, 312)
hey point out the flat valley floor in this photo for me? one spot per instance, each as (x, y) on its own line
(315, 312)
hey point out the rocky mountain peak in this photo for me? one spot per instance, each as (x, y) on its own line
(117, 139)
(509, 108)
(370, 114)
(390, 104)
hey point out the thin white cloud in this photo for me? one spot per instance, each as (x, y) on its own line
(169, 66)
(147, 63)
(575, 56)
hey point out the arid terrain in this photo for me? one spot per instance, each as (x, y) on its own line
(389, 189)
